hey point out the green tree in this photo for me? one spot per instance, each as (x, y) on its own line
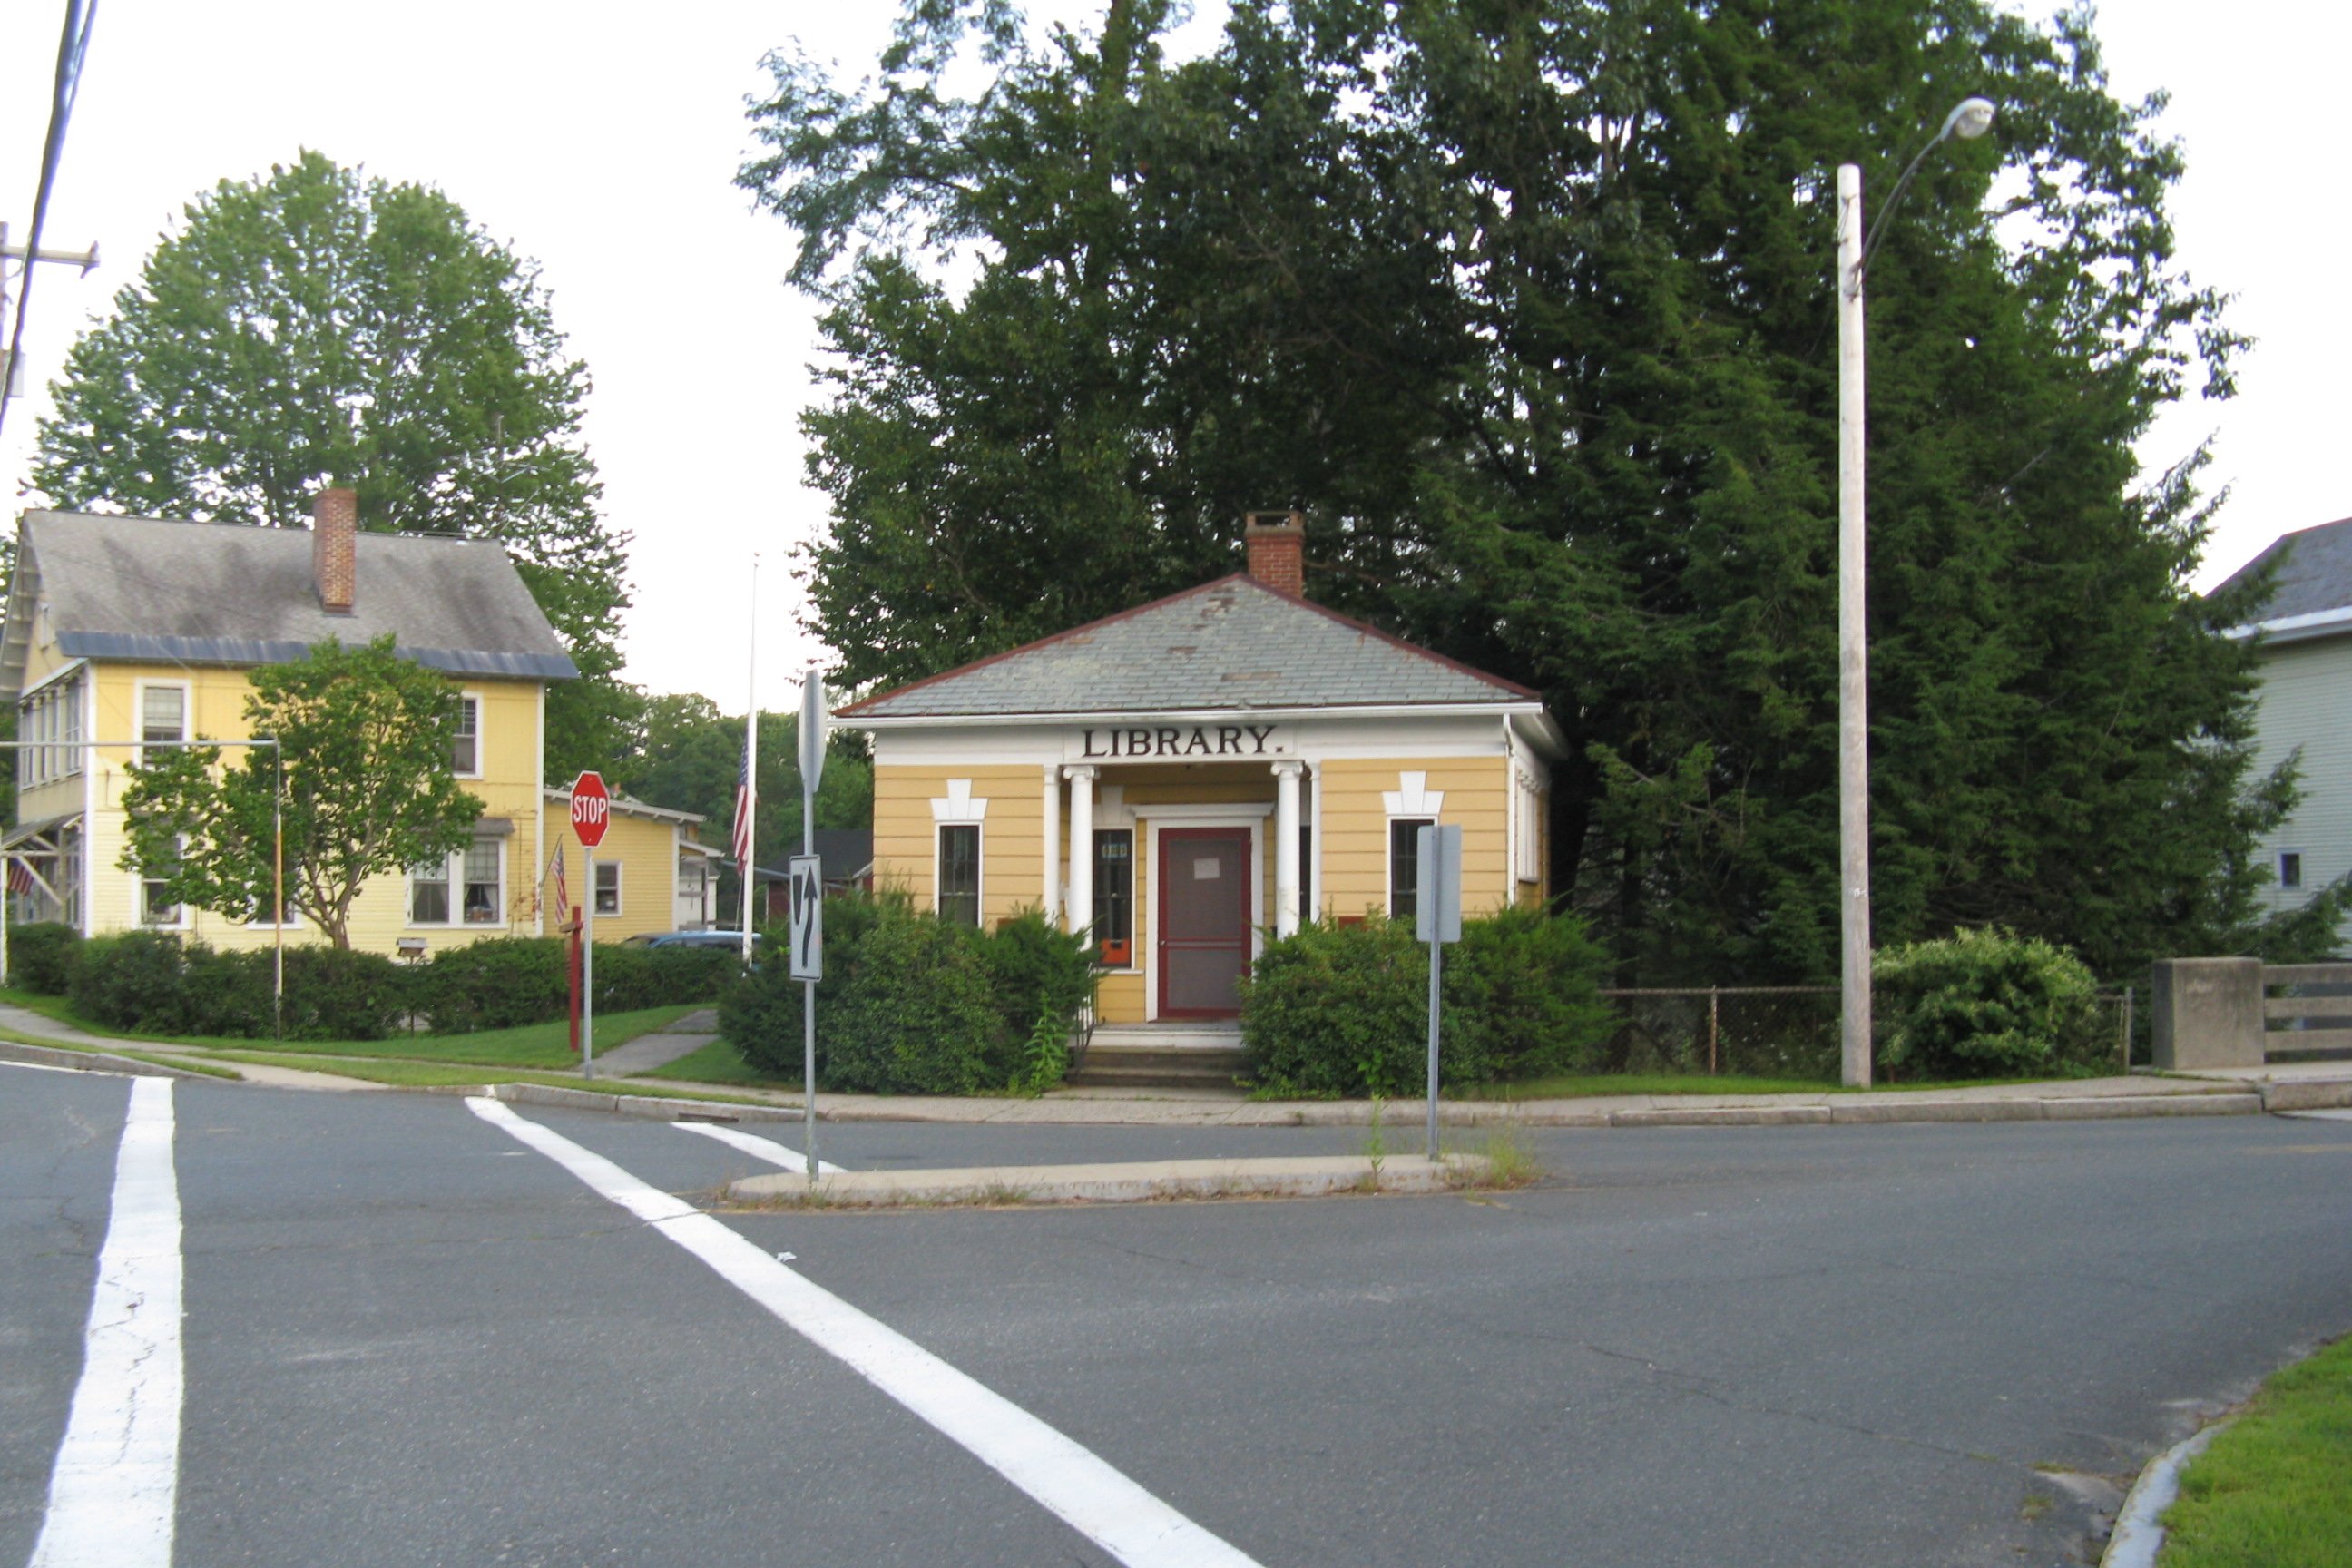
(692, 758)
(316, 326)
(1530, 305)
(365, 738)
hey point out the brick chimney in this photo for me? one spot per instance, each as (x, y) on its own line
(334, 544)
(1277, 549)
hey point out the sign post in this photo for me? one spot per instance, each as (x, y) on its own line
(592, 810)
(808, 883)
(1436, 920)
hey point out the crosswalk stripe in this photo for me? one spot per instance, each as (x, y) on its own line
(758, 1148)
(1073, 1483)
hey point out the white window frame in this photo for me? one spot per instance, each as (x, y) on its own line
(139, 689)
(978, 870)
(448, 902)
(475, 697)
(138, 881)
(597, 892)
(457, 885)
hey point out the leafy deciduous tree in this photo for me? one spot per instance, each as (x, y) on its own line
(365, 738)
(316, 326)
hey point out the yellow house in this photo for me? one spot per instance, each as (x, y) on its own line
(1183, 778)
(126, 632)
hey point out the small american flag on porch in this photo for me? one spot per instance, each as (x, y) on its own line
(20, 876)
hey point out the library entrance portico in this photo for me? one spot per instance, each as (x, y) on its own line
(1187, 780)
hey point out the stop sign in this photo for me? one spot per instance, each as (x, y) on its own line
(592, 808)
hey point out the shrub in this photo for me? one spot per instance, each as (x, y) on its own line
(1339, 1010)
(1038, 979)
(494, 983)
(41, 956)
(1523, 998)
(905, 1007)
(1982, 1003)
(226, 993)
(1344, 1010)
(135, 980)
(333, 994)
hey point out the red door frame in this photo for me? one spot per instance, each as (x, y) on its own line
(1241, 910)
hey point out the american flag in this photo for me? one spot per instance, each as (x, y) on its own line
(20, 876)
(743, 817)
(562, 893)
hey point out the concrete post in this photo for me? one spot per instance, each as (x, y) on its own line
(2209, 1013)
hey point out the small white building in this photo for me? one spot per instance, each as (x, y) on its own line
(2307, 704)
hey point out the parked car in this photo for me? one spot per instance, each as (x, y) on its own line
(689, 939)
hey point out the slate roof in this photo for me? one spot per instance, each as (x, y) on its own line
(1233, 644)
(228, 594)
(2315, 578)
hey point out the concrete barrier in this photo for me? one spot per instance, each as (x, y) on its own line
(2209, 1014)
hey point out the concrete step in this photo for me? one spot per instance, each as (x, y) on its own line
(1168, 1036)
(1157, 1067)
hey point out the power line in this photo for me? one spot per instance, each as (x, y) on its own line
(72, 46)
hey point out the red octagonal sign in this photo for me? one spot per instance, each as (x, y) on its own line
(592, 808)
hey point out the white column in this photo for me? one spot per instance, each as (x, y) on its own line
(1285, 848)
(1053, 903)
(1082, 847)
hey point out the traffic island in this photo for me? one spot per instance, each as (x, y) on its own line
(1158, 1181)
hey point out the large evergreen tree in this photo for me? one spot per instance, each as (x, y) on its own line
(1528, 303)
(317, 327)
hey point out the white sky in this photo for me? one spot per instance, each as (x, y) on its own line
(602, 140)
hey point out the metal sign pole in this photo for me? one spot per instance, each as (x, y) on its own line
(812, 760)
(588, 965)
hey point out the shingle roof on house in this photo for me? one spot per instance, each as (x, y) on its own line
(2315, 578)
(1231, 644)
(197, 592)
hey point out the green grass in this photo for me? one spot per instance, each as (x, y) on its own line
(150, 1058)
(528, 1046)
(405, 1074)
(2275, 1489)
(718, 1062)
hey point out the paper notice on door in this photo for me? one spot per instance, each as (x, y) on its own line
(1207, 871)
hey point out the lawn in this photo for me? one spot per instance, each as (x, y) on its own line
(2275, 1489)
(1584, 1086)
(528, 1046)
(404, 1074)
(717, 1063)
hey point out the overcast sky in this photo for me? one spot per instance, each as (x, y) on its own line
(602, 140)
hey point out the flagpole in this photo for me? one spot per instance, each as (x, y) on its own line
(745, 832)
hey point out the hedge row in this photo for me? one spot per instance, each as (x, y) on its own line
(910, 1004)
(155, 982)
(1343, 1010)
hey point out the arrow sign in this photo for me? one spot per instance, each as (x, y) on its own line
(592, 808)
(806, 874)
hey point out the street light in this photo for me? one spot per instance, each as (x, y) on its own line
(1967, 122)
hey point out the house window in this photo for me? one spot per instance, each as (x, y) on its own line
(2290, 868)
(1114, 911)
(1404, 865)
(156, 907)
(958, 877)
(289, 913)
(162, 714)
(466, 751)
(608, 886)
(486, 884)
(428, 894)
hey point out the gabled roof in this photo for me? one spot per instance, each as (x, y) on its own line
(1233, 644)
(2313, 593)
(228, 593)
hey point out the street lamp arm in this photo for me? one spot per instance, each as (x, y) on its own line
(1968, 121)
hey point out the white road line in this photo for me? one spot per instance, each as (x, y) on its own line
(758, 1148)
(1085, 1492)
(115, 1487)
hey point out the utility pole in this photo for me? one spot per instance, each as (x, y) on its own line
(11, 373)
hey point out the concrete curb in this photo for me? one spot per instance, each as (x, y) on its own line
(2321, 1096)
(659, 1107)
(1149, 1182)
(98, 1061)
(2138, 1537)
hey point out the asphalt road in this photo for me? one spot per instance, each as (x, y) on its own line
(411, 1338)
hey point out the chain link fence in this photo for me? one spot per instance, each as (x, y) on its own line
(1791, 1032)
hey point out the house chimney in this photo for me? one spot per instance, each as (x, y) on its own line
(1277, 550)
(335, 543)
